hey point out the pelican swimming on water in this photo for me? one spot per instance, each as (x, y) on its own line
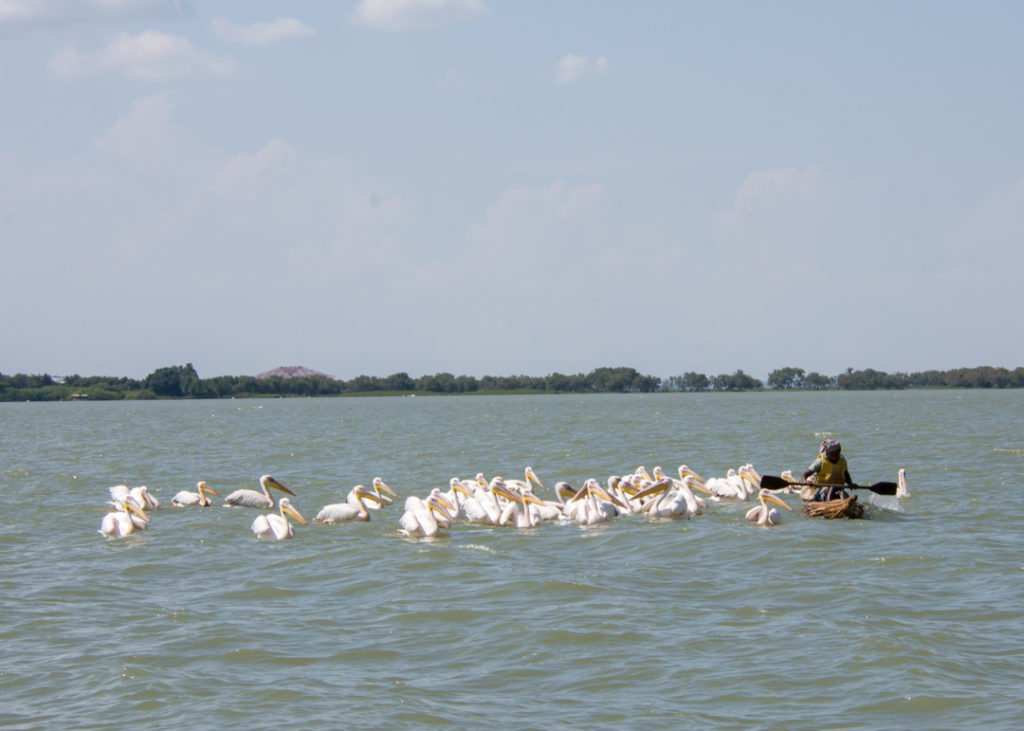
(275, 525)
(734, 486)
(385, 495)
(586, 509)
(253, 499)
(200, 497)
(123, 521)
(676, 499)
(421, 516)
(484, 507)
(518, 510)
(354, 507)
(761, 514)
(524, 484)
(140, 495)
(901, 483)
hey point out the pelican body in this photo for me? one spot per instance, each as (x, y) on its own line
(253, 499)
(421, 517)
(140, 495)
(124, 521)
(201, 497)
(275, 526)
(354, 507)
(761, 514)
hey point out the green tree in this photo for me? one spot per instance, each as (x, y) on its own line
(817, 381)
(695, 381)
(170, 381)
(399, 382)
(786, 378)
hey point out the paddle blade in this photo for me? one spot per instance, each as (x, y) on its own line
(882, 488)
(771, 482)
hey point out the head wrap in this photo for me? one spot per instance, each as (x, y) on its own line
(829, 445)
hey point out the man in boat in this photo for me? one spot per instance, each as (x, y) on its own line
(829, 470)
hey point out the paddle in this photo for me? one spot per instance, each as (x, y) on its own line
(770, 482)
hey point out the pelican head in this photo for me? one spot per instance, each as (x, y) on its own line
(901, 483)
(768, 496)
(564, 491)
(659, 485)
(694, 483)
(593, 487)
(442, 506)
(134, 510)
(362, 492)
(529, 497)
(285, 506)
(531, 475)
(684, 471)
(378, 485)
(202, 488)
(457, 486)
(499, 487)
(269, 481)
(150, 501)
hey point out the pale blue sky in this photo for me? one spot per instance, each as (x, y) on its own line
(498, 187)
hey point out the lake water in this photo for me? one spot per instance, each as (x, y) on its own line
(913, 618)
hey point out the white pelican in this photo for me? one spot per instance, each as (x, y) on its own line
(734, 486)
(123, 521)
(676, 499)
(276, 525)
(586, 509)
(419, 517)
(200, 497)
(459, 491)
(546, 509)
(901, 483)
(253, 499)
(760, 514)
(669, 502)
(483, 507)
(385, 495)
(524, 484)
(352, 509)
(688, 482)
(518, 511)
(788, 476)
(139, 495)
(755, 476)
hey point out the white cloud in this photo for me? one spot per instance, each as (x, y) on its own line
(148, 56)
(572, 67)
(243, 170)
(148, 138)
(398, 15)
(261, 34)
(559, 225)
(62, 11)
(15, 11)
(780, 217)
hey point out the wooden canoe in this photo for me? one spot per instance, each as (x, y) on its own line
(840, 508)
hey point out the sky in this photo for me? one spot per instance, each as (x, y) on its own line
(497, 187)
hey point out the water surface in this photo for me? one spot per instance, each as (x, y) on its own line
(911, 619)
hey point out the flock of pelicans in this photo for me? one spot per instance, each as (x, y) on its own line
(497, 501)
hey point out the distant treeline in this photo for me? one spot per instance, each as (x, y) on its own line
(184, 382)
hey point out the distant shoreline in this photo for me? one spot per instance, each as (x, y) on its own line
(182, 382)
